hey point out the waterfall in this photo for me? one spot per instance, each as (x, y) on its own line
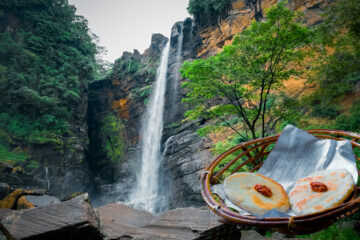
(146, 193)
(179, 59)
(47, 178)
(176, 76)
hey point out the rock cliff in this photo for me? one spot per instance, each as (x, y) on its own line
(185, 154)
(123, 95)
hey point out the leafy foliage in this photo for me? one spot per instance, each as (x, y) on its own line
(143, 92)
(349, 122)
(249, 73)
(225, 145)
(338, 73)
(341, 230)
(341, 15)
(114, 143)
(11, 157)
(47, 56)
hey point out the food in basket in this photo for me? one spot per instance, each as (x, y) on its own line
(255, 193)
(320, 191)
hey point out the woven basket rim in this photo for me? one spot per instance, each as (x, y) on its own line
(235, 218)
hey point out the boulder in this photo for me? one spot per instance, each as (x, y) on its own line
(119, 221)
(73, 219)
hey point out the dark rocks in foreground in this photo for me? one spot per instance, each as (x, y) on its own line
(76, 219)
(73, 219)
(119, 221)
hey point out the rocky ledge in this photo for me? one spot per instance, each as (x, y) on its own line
(119, 221)
(76, 219)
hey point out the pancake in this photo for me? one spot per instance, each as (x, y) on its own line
(320, 191)
(255, 193)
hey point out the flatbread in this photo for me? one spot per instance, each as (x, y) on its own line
(304, 200)
(240, 189)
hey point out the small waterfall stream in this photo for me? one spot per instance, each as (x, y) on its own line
(179, 58)
(146, 193)
(47, 178)
(176, 76)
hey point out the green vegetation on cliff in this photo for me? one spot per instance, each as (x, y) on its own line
(241, 87)
(112, 129)
(47, 57)
(249, 75)
(338, 73)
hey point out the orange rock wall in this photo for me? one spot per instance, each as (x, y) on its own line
(240, 18)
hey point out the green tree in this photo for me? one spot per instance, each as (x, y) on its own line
(338, 70)
(114, 144)
(342, 15)
(248, 74)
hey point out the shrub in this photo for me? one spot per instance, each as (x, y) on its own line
(349, 122)
(114, 143)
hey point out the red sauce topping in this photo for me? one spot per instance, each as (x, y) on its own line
(318, 187)
(263, 189)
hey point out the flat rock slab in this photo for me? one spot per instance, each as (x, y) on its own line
(73, 219)
(125, 215)
(42, 201)
(119, 221)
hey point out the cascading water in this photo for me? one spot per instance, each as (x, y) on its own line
(173, 99)
(47, 178)
(146, 193)
(179, 58)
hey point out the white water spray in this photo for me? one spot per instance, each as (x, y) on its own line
(146, 193)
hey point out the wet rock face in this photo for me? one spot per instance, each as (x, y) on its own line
(61, 169)
(185, 157)
(66, 172)
(185, 154)
(184, 34)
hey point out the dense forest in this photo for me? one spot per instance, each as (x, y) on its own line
(47, 58)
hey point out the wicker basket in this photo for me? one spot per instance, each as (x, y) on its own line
(251, 155)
